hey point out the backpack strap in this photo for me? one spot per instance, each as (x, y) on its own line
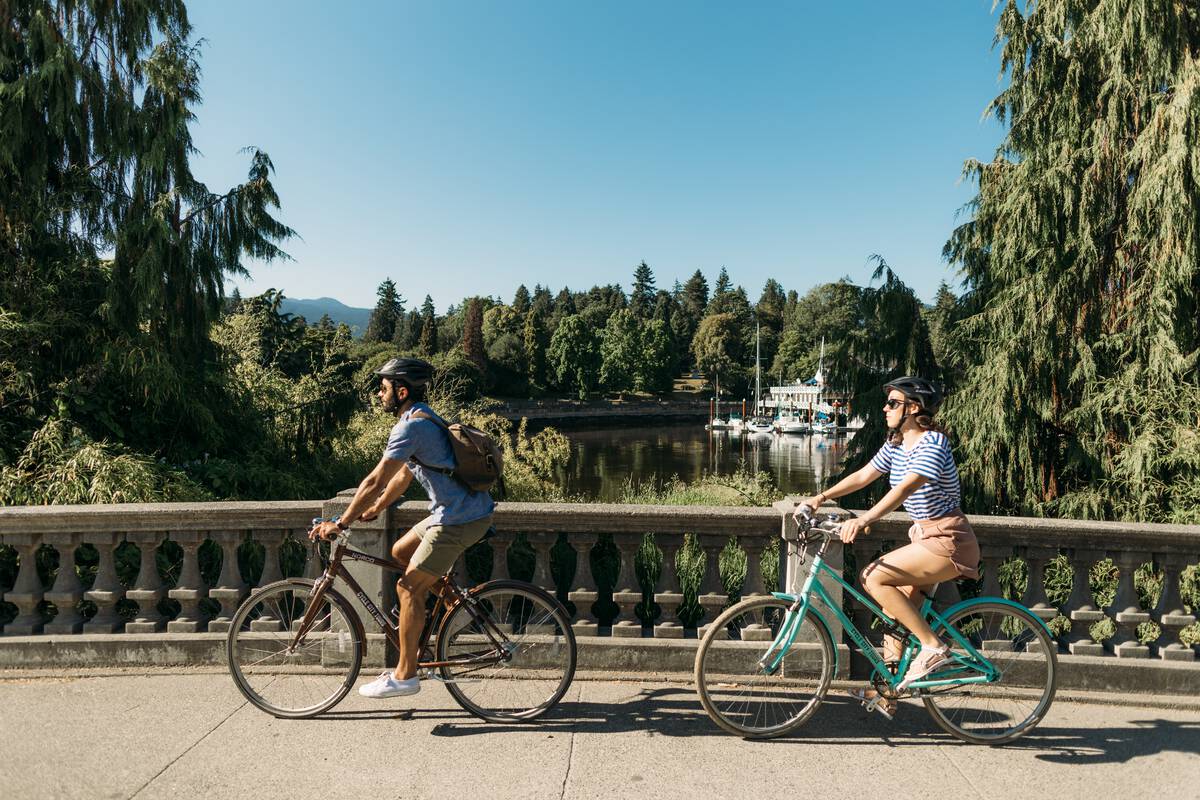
(447, 471)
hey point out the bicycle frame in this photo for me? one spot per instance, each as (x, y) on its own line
(443, 587)
(978, 667)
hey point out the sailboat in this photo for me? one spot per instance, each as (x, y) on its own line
(821, 423)
(716, 423)
(758, 423)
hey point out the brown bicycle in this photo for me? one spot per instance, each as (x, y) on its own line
(504, 649)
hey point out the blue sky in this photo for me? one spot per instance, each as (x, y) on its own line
(465, 148)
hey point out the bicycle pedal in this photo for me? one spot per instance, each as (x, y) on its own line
(878, 703)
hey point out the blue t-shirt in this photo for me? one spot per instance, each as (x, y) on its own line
(450, 503)
(929, 457)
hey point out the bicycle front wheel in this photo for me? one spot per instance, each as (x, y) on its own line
(748, 698)
(285, 677)
(1018, 646)
(531, 669)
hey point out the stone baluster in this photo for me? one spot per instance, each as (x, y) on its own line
(1082, 605)
(542, 574)
(671, 596)
(1036, 559)
(500, 544)
(231, 588)
(148, 589)
(270, 540)
(1172, 617)
(753, 586)
(67, 591)
(627, 592)
(712, 597)
(584, 595)
(107, 590)
(189, 589)
(991, 557)
(1035, 598)
(1129, 613)
(27, 591)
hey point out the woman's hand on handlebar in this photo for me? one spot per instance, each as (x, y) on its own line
(811, 504)
(852, 527)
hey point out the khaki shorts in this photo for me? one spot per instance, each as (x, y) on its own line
(441, 545)
(951, 537)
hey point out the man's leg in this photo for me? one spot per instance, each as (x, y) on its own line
(411, 591)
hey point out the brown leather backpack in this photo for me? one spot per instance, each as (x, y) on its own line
(478, 460)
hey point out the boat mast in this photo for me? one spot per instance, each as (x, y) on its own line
(758, 370)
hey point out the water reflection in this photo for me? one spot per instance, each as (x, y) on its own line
(602, 461)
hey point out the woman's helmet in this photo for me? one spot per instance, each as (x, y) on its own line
(919, 391)
(413, 371)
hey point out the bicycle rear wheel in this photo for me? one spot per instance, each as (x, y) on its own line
(530, 675)
(293, 681)
(748, 699)
(1017, 644)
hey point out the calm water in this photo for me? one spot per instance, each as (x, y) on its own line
(603, 460)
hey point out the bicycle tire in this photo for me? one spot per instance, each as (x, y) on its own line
(542, 662)
(741, 703)
(322, 671)
(978, 713)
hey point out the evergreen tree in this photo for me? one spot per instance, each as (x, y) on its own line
(429, 332)
(536, 340)
(695, 295)
(641, 299)
(1082, 268)
(654, 368)
(520, 302)
(472, 342)
(723, 288)
(387, 314)
(95, 162)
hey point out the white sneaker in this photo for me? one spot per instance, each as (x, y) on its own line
(387, 686)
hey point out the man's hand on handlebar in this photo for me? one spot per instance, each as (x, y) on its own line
(325, 530)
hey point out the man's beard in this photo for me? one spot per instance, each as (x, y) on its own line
(391, 404)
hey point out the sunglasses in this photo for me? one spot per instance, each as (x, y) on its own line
(893, 403)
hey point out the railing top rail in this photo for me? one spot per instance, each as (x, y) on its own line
(246, 515)
(1089, 534)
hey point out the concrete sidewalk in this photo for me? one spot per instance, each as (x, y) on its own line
(185, 735)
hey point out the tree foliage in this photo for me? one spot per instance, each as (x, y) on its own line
(1081, 262)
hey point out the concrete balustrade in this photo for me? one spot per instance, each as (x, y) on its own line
(605, 605)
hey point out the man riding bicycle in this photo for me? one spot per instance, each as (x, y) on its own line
(417, 447)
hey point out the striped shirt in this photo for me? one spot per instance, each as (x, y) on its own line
(929, 457)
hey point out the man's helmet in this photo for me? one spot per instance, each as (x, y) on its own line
(919, 391)
(413, 371)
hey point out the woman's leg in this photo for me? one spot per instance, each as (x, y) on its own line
(893, 648)
(908, 566)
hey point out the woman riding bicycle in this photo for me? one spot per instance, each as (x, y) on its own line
(920, 468)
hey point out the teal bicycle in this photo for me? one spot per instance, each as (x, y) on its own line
(765, 664)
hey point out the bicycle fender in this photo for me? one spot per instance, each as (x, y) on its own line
(812, 612)
(961, 604)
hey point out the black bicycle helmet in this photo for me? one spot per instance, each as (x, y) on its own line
(413, 371)
(918, 390)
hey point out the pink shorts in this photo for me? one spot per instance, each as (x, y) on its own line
(951, 537)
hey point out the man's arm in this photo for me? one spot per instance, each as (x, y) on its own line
(371, 485)
(394, 490)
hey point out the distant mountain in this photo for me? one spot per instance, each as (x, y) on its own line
(313, 310)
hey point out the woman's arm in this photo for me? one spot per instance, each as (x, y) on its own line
(847, 485)
(888, 503)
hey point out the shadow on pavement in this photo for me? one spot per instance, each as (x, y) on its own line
(677, 712)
